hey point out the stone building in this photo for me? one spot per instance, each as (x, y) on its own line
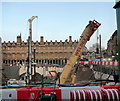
(45, 52)
(112, 45)
(0, 61)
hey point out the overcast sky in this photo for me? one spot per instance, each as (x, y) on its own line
(57, 20)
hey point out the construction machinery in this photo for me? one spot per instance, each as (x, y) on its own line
(73, 93)
(87, 33)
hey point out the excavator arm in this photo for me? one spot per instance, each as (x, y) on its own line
(87, 33)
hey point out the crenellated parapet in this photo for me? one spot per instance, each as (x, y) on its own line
(21, 43)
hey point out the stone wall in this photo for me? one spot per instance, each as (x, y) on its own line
(112, 45)
(45, 52)
(0, 62)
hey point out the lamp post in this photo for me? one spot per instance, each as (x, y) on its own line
(100, 58)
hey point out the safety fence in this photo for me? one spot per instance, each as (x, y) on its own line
(104, 63)
(98, 93)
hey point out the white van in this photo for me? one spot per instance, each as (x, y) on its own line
(14, 82)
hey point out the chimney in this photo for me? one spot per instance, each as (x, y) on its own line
(42, 40)
(70, 39)
(19, 39)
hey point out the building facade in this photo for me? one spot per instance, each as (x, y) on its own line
(42, 51)
(112, 45)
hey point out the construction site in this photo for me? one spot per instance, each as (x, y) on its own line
(61, 71)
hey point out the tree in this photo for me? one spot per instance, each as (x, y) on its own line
(95, 48)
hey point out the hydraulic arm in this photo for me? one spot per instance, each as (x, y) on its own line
(87, 33)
